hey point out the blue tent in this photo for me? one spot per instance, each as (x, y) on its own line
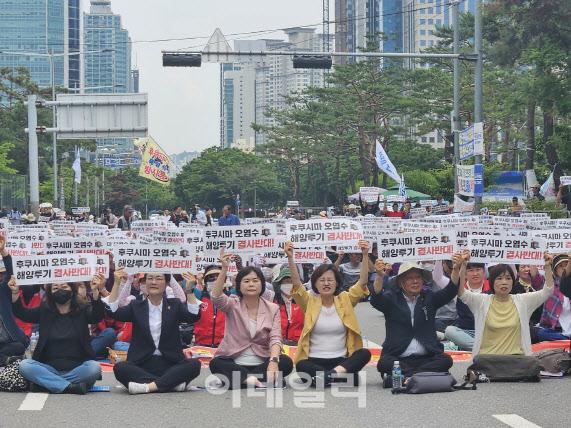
(506, 186)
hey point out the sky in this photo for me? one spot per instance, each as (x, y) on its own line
(184, 103)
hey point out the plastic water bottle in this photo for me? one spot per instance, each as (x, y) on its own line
(397, 376)
(33, 343)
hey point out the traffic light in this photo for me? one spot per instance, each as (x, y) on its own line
(181, 60)
(40, 103)
(449, 148)
(41, 130)
(312, 61)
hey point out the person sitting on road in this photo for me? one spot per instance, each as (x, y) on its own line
(330, 346)
(63, 361)
(13, 340)
(555, 313)
(209, 329)
(410, 320)
(501, 318)
(565, 289)
(291, 315)
(250, 352)
(155, 361)
(462, 333)
(529, 280)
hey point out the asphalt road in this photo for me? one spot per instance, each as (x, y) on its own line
(544, 404)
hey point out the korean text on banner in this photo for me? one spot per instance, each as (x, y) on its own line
(155, 258)
(411, 247)
(45, 269)
(462, 206)
(470, 180)
(558, 241)
(472, 141)
(248, 239)
(565, 180)
(323, 233)
(370, 194)
(504, 248)
(155, 165)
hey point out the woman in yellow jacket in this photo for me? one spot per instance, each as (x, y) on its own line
(330, 345)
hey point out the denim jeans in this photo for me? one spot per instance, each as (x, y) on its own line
(105, 340)
(56, 381)
(121, 346)
(550, 334)
(464, 339)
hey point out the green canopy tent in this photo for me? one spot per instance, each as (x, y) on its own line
(413, 194)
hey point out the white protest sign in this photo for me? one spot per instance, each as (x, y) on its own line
(154, 259)
(565, 180)
(559, 223)
(558, 241)
(240, 239)
(370, 194)
(169, 237)
(426, 202)
(463, 206)
(417, 212)
(309, 255)
(510, 222)
(46, 269)
(416, 226)
(79, 210)
(25, 243)
(463, 235)
(145, 239)
(414, 247)
(395, 198)
(318, 233)
(292, 203)
(62, 245)
(504, 248)
(147, 226)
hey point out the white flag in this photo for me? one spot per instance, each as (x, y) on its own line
(77, 167)
(385, 163)
(402, 188)
(547, 190)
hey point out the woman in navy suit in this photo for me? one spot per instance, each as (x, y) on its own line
(155, 361)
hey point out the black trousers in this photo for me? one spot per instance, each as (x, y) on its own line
(10, 350)
(165, 373)
(415, 364)
(224, 367)
(354, 364)
(442, 323)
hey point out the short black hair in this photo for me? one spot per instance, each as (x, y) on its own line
(246, 271)
(476, 265)
(318, 273)
(496, 271)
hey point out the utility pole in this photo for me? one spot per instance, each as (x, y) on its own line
(74, 181)
(456, 112)
(54, 136)
(33, 157)
(478, 92)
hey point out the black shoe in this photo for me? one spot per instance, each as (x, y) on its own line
(34, 387)
(388, 382)
(13, 359)
(76, 388)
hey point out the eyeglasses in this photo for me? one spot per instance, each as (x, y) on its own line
(326, 280)
(152, 279)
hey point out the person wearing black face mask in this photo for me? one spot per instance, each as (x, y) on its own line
(63, 361)
(13, 341)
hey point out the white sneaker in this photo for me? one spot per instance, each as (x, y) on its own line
(179, 388)
(138, 388)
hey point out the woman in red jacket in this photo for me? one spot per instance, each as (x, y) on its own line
(292, 317)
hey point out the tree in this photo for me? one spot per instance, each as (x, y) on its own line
(218, 176)
(120, 193)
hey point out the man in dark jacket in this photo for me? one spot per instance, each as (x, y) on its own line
(410, 321)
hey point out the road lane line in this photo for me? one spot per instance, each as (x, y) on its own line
(515, 421)
(34, 401)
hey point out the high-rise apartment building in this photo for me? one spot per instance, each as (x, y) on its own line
(29, 27)
(109, 72)
(250, 88)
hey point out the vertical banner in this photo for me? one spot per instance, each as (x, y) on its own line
(472, 141)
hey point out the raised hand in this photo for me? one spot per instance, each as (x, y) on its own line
(380, 267)
(548, 259)
(457, 260)
(364, 244)
(288, 249)
(190, 280)
(120, 275)
(225, 258)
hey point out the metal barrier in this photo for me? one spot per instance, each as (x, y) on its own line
(14, 191)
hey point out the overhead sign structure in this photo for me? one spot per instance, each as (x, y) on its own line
(102, 116)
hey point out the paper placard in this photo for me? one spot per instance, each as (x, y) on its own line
(97, 245)
(370, 194)
(312, 233)
(147, 226)
(565, 180)
(504, 248)
(558, 241)
(240, 239)
(45, 269)
(414, 247)
(155, 258)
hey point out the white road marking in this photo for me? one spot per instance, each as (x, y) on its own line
(515, 421)
(34, 401)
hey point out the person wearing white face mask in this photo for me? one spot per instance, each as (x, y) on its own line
(291, 316)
